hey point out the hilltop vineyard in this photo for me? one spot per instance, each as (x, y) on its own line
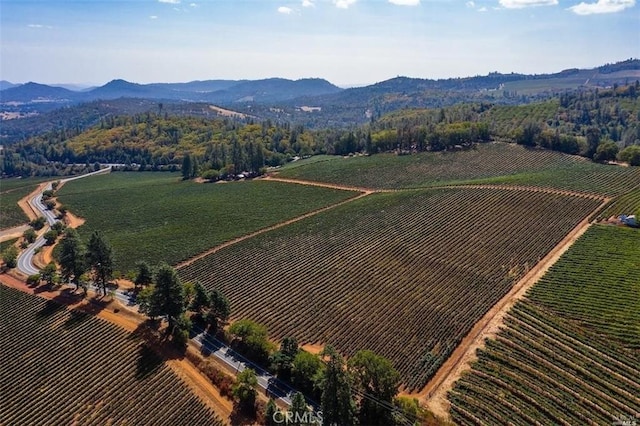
(495, 163)
(64, 367)
(405, 274)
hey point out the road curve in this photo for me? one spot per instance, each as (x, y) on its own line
(25, 259)
(207, 343)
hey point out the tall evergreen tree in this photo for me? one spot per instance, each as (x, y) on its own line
(338, 406)
(187, 167)
(270, 416)
(299, 409)
(100, 260)
(201, 298)
(145, 275)
(375, 376)
(72, 257)
(169, 293)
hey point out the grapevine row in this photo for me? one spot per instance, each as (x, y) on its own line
(67, 367)
(437, 260)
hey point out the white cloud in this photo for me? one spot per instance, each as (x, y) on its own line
(285, 10)
(519, 4)
(470, 4)
(153, 17)
(170, 1)
(193, 5)
(343, 4)
(308, 3)
(482, 9)
(40, 26)
(602, 6)
(405, 2)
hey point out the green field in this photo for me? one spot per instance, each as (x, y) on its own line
(158, 217)
(6, 244)
(627, 204)
(496, 163)
(11, 191)
(62, 367)
(405, 274)
(570, 351)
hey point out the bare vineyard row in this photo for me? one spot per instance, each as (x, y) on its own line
(67, 367)
(404, 274)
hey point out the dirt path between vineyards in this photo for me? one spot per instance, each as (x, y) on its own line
(270, 228)
(434, 394)
(464, 186)
(325, 185)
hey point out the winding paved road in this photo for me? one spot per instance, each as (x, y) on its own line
(25, 259)
(207, 343)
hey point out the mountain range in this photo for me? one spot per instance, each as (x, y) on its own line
(215, 91)
(319, 91)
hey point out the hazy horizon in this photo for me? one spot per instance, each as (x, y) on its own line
(347, 42)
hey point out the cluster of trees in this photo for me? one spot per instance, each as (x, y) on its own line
(363, 389)
(79, 263)
(162, 294)
(151, 141)
(593, 146)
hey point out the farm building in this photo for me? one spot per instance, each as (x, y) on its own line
(628, 220)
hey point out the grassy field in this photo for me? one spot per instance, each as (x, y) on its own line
(6, 244)
(405, 274)
(497, 163)
(11, 191)
(67, 367)
(158, 217)
(570, 351)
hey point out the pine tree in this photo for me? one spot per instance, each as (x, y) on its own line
(144, 276)
(187, 167)
(72, 257)
(299, 409)
(338, 406)
(270, 416)
(100, 259)
(169, 293)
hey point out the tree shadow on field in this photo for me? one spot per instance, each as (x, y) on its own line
(76, 318)
(50, 308)
(155, 347)
(148, 362)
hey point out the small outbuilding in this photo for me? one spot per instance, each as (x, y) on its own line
(628, 220)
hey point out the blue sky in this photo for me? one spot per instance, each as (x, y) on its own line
(344, 41)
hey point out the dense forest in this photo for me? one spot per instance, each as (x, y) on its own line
(601, 124)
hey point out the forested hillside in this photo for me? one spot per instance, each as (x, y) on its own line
(601, 125)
